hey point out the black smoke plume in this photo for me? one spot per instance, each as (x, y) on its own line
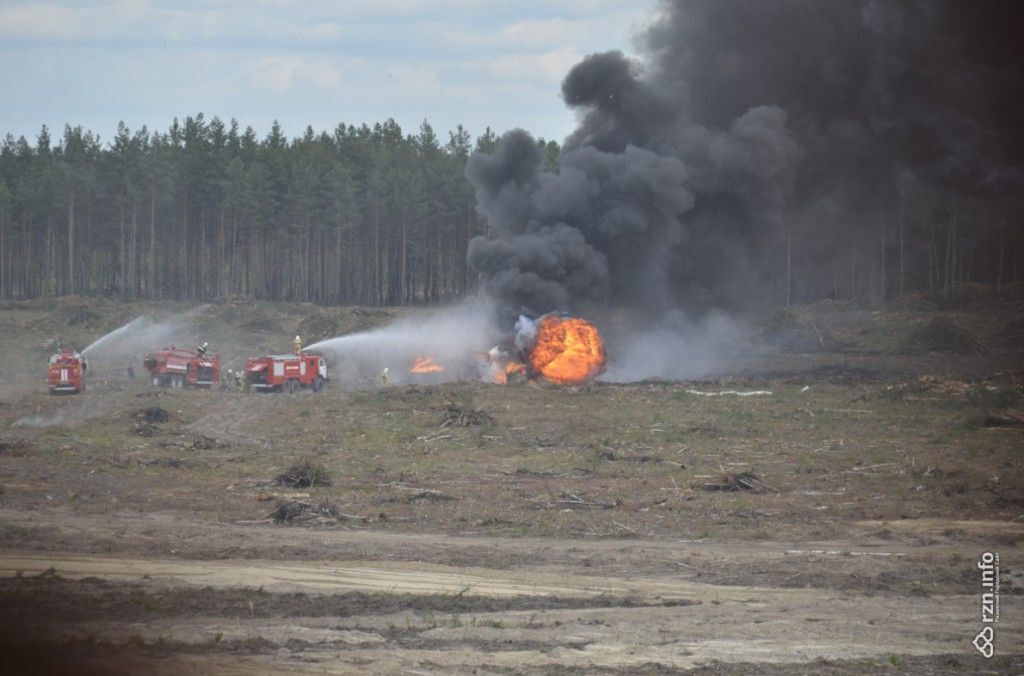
(747, 121)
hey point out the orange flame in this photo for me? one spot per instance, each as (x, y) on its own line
(501, 375)
(425, 365)
(568, 351)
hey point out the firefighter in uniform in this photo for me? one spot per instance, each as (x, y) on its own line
(202, 349)
(298, 345)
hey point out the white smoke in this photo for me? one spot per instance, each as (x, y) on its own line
(526, 332)
(456, 338)
(674, 349)
(74, 412)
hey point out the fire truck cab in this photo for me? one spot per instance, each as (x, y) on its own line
(175, 367)
(66, 372)
(286, 372)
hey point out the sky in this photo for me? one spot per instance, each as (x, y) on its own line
(497, 64)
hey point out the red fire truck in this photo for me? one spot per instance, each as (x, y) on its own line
(286, 372)
(175, 367)
(66, 372)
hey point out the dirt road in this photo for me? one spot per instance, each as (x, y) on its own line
(402, 604)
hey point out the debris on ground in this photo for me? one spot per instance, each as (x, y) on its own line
(735, 393)
(168, 461)
(1005, 419)
(611, 456)
(153, 414)
(296, 511)
(13, 447)
(455, 416)
(427, 494)
(144, 429)
(743, 481)
(945, 386)
(790, 332)
(571, 500)
(264, 496)
(304, 473)
(203, 443)
(942, 335)
(981, 393)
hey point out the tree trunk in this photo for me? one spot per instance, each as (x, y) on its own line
(152, 244)
(950, 266)
(377, 288)
(1002, 256)
(403, 281)
(184, 267)
(789, 264)
(902, 289)
(885, 231)
(122, 258)
(71, 243)
(134, 249)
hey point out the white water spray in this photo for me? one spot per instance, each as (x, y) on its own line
(451, 337)
(126, 345)
(97, 344)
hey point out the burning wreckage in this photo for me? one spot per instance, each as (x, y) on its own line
(556, 347)
(560, 349)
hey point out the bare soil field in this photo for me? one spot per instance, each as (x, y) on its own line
(831, 523)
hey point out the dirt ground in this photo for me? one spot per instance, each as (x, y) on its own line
(831, 524)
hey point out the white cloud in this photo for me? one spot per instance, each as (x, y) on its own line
(97, 61)
(545, 67)
(323, 74)
(274, 73)
(281, 74)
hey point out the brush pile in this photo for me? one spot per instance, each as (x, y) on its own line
(455, 416)
(154, 414)
(147, 419)
(943, 336)
(296, 511)
(304, 473)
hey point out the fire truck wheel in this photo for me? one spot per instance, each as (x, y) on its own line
(318, 384)
(291, 386)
